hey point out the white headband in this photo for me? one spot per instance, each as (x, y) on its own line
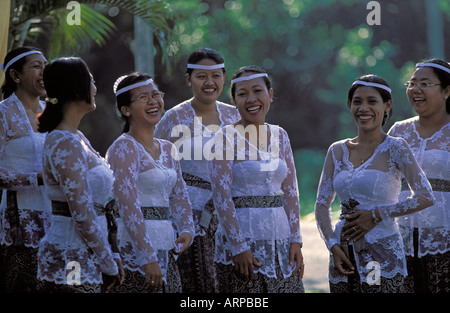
(245, 78)
(445, 69)
(206, 67)
(127, 88)
(15, 59)
(360, 82)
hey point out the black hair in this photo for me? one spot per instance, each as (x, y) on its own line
(249, 69)
(385, 95)
(9, 86)
(204, 53)
(443, 77)
(65, 79)
(124, 99)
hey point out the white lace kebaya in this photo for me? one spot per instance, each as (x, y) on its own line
(141, 183)
(239, 184)
(74, 173)
(181, 126)
(433, 155)
(20, 162)
(375, 185)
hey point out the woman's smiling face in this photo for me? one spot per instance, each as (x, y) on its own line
(252, 98)
(367, 108)
(429, 100)
(207, 85)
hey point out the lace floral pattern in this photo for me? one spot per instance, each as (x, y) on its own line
(375, 185)
(433, 155)
(75, 173)
(181, 126)
(141, 181)
(20, 162)
(252, 172)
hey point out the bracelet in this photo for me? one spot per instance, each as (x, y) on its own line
(375, 219)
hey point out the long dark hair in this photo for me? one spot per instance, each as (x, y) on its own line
(443, 77)
(385, 95)
(65, 79)
(124, 99)
(9, 86)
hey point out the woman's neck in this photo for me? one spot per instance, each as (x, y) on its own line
(434, 122)
(144, 135)
(29, 101)
(203, 108)
(71, 117)
(371, 137)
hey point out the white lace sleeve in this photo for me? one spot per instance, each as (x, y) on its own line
(123, 157)
(10, 178)
(325, 196)
(69, 168)
(179, 199)
(164, 127)
(221, 179)
(290, 189)
(421, 196)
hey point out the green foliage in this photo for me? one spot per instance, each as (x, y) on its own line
(308, 165)
(29, 18)
(313, 51)
(94, 28)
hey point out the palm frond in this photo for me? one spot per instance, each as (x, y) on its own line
(156, 13)
(73, 39)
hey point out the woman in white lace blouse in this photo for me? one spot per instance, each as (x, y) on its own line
(74, 255)
(23, 210)
(426, 234)
(365, 172)
(150, 191)
(190, 125)
(258, 241)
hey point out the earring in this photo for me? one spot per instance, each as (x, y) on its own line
(127, 114)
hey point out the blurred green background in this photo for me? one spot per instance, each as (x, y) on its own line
(312, 49)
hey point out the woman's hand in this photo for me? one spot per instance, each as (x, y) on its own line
(244, 263)
(182, 243)
(358, 224)
(341, 262)
(114, 281)
(295, 255)
(153, 276)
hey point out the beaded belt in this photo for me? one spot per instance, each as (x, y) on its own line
(62, 209)
(195, 181)
(436, 184)
(257, 202)
(155, 213)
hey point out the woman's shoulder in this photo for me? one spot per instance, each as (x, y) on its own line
(407, 121)
(63, 142)
(180, 107)
(9, 105)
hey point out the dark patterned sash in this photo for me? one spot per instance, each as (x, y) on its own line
(156, 213)
(62, 209)
(436, 184)
(257, 202)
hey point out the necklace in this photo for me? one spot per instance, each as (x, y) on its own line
(365, 159)
(359, 156)
(261, 145)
